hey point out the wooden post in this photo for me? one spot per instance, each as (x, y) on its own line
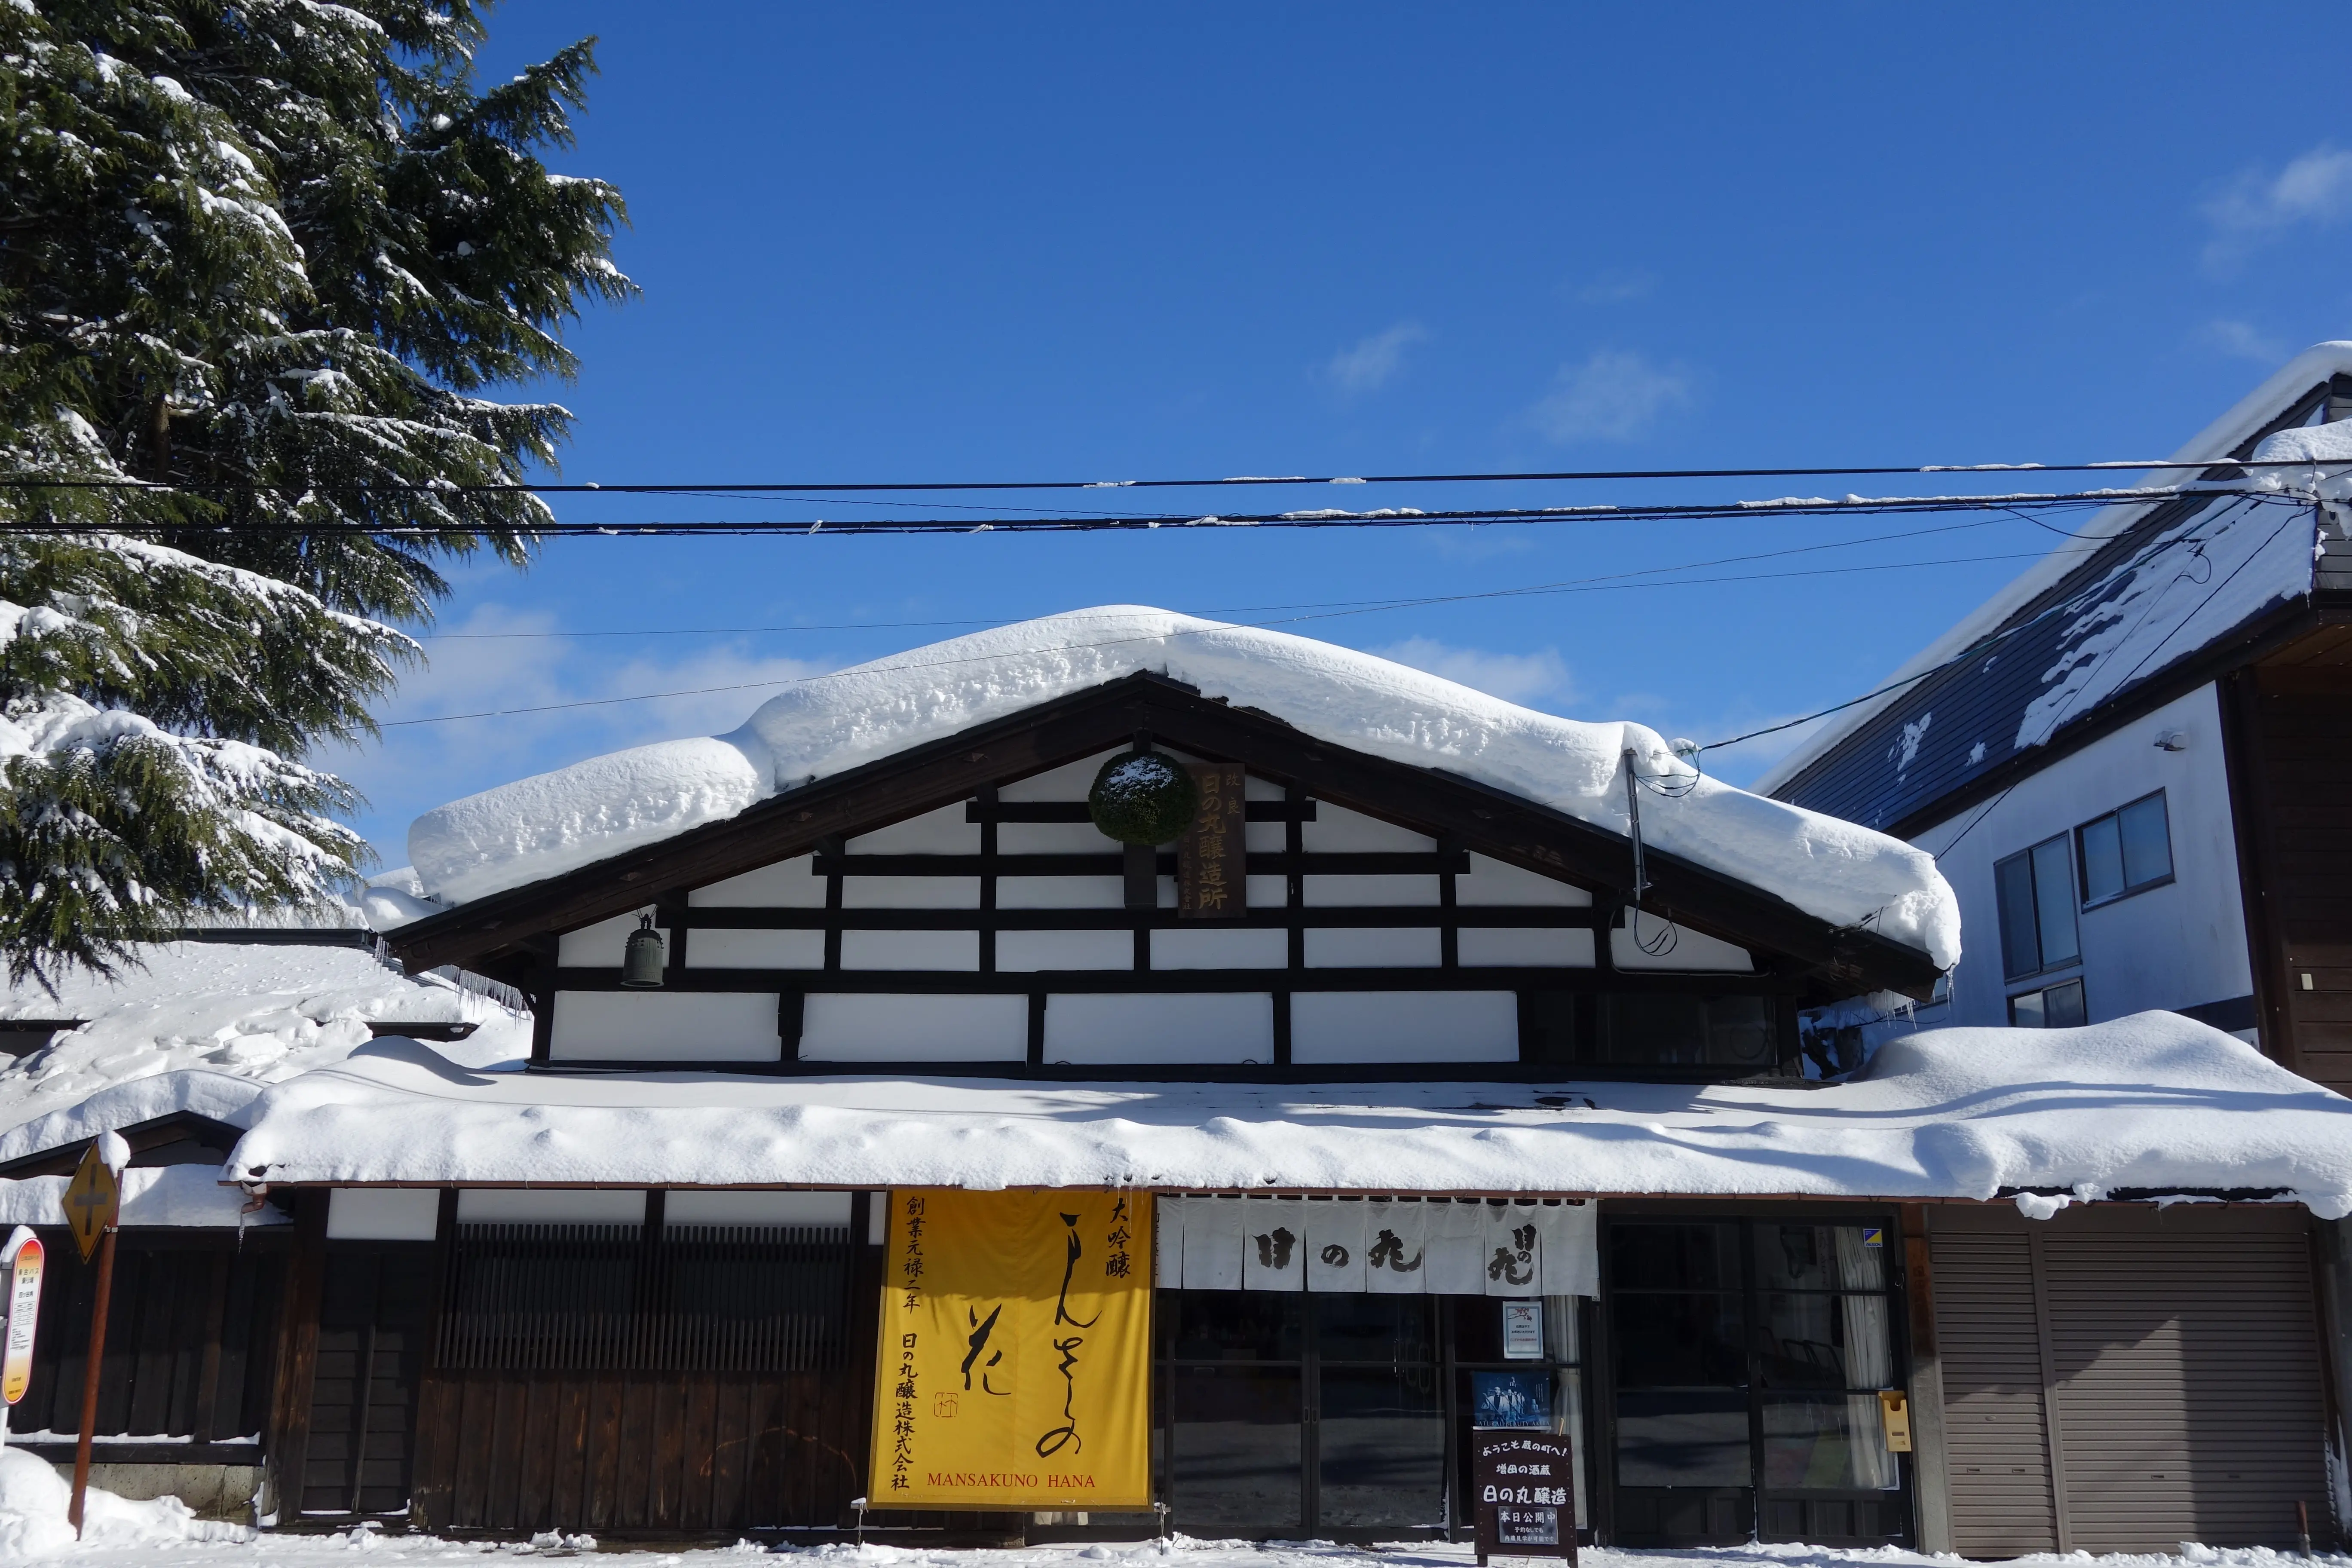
(94, 1363)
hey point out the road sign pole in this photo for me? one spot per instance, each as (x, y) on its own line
(93, 1366)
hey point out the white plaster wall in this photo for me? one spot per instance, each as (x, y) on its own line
(2178, 945)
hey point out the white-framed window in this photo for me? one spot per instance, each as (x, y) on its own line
(2034, 890)
(2058, 1006)
(2127, 851)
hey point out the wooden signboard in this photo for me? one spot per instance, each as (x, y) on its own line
(1210, 880)
(1524, 1483)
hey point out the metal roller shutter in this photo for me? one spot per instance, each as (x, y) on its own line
(2178, 1354)
(1985, 1331)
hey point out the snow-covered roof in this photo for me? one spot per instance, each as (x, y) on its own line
(2150, 1103)
(206, 1027)
(562, 821)
(2282, 572)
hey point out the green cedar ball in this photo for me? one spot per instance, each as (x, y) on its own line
(267, 257)
(1143, 798)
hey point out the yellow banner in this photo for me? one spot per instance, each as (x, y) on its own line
(1015, 1354)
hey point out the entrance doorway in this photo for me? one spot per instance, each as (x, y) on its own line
(1745, 1360)
(1341, 1415)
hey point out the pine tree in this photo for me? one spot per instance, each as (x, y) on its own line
(258, 264)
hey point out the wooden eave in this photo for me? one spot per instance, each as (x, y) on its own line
(170, 1131)
(519, 926)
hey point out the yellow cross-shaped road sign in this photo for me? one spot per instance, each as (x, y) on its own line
(92, 1199)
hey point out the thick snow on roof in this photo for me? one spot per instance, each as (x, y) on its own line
(561, 821)
(206, 1027)
(152, 1195)
(2154, 1102)
(2212, 444)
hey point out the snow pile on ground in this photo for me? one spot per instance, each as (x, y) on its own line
(206, 1027)
(560, 821)
(337, 1551)
(33, 1502)
(2153, 1102)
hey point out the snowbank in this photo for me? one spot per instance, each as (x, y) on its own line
(33, 1501)
(561, 821)
(204, 1026)
(2154, 1102)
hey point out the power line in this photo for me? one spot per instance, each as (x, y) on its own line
(1392, 602)
(39, 481)
(1326, 517)
(1588, 586)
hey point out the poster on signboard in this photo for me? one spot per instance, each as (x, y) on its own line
(1015, 1353)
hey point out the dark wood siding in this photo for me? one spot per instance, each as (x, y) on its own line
(374, 1312)
(2293, 784)
(189, 1336)
(2126, 1379)
(626, 1379)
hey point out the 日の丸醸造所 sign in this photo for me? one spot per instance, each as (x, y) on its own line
(1015, 1351)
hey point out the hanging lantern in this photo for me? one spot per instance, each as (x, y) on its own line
(641, 966)
(1143, 798)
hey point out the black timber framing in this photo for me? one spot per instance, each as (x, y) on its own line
(507, 934)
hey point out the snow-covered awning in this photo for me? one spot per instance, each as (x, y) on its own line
(2151, 1104)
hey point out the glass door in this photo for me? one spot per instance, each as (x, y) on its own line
(1291, 1413)
(1745, 1359)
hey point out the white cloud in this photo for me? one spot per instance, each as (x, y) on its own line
(2315, 188)
(1373, 362)
(1513, 677)
(2240, 340)
(1614, 395)
(415, 768)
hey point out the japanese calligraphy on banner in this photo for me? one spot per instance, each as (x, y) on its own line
(1015, 1351)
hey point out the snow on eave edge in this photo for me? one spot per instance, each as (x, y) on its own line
(2313, 367)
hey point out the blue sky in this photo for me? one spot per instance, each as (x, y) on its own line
(898, 242)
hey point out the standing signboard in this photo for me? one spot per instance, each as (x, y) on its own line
(1522, 1473)
(1014, 1366)
(93, 1201)
(23, 1259)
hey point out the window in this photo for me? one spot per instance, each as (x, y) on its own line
(2036, 893)
(2052, 1008)
(2125, 851)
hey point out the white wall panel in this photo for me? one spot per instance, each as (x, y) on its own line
(551, 1205)
(1492, 882)
(1028, 951)
(1220, 947)
(947, 950)
(1336, 829)
(838, 1027)
(911, 893)
(1053, 838)
(1169, 1027)
(941, 832)
(383, 1213)
(1061, 892)
(664, 1025)
(1373, 947)
(1341, 1027)
(1523, 947)
(685, 1206)
(755, 950)
(599, 946)
(791, 884)
(1069, 782)
(1374, 891)
(1693, 952)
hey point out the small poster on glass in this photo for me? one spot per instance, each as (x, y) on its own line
(1507, 1399)
(1523, 1331)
